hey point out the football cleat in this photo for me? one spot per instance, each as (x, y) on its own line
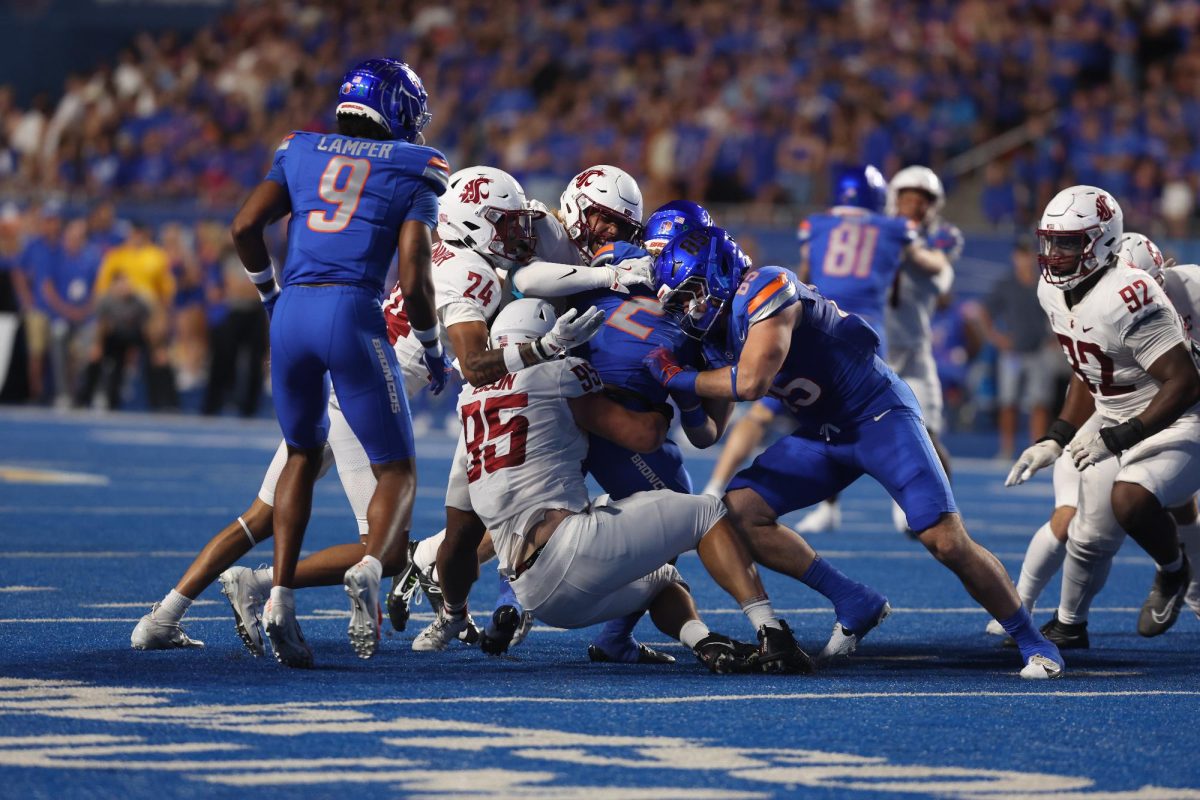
(644, 655)
(1165, 601)
(825, 517)
(1040, 668)
(362, 587)
(442, 631)
(994, 628)
(498, 635)
(404, 587)
(151, 633)
(1065, 636)
(854, 623)
(723, 655)
(287, 642)
(778, 651)
(245, 597)
(523, 629)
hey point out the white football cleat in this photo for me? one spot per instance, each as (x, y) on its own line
(246, 597)
(287, 642)
(1041, 668)
(362, 587)
(842, 642)
(151, 633)
(827, 516)
(994, 628)
(442, 631)
(523, 629)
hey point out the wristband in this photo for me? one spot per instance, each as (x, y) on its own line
(1061, 433)
(733, 383)
(428, 338)
(539, 350)
(512, 357)
(1124, 436)
(693, 417)
(262, 276)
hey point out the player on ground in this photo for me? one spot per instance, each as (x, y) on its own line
(1135, 368)
(573, 562)
(853, 416)
(468, 291)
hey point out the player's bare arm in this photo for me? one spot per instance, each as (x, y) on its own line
(639, 431)
(926, 259)
(1179, 390)
(415, 274)
(703, 419)
(479, 365)
(268, 203)
(766, 348)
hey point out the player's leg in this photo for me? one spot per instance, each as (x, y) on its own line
(1008, 383)
(458, 569)
(919, 371)
(1186, 522)
(792, 473)
(1160, 473)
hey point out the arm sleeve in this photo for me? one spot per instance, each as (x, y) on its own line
(544, 279)
(1153, 336)
(424, 206)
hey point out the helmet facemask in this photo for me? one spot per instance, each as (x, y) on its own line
(593, 215)
(1067, 257)
(515, 238)
(693, 305)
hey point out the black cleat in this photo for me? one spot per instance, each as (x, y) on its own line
(498, 635)
(778, 652)
(404, 586)
(723, 655)
(1067, 637)
(646, 655)
(1165, 600)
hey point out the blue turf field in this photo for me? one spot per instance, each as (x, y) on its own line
(99, 516)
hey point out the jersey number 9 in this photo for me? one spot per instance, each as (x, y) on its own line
(345, 196)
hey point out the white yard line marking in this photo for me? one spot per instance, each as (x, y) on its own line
(145, 604)
(15, 473)
(28, 588)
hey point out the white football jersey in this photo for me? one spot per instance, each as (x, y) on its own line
(909, 312)
(522, 451)
(1120, 327)
(466, 288)
(1182, 285)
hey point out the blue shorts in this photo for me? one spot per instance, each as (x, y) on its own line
(893, 448)
(622, 472)
(339, 330)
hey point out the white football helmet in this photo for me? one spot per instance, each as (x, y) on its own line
(1080, 233)
(921, 178)
(485, 210)
(1139, 252)
(609, 190)
(524, 320)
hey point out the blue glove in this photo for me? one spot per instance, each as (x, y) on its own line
(439, 368)
(667, 371)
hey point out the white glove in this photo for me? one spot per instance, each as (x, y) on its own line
(1089, 450)
(569, 332)
(1037, 457)
(633, 272)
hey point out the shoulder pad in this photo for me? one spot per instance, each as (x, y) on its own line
(430, 164)
(765, 292)
(616, 252)
(1128, 297)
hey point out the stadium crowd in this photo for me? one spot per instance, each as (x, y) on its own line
(745, 103)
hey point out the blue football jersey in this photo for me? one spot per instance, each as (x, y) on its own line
(831, 374)
(362, 190)
(853, 256)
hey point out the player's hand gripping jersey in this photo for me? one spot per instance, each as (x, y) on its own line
(361, 189)
(521, 449)
(831, 379)
(1111, 337)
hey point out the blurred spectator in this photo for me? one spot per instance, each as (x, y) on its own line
(1017, 328)
(122, 321)
(67, 291)
(999, 197)
(237, 329)
(146, 272)
(14, 367)
(191, 328)
(35, 264)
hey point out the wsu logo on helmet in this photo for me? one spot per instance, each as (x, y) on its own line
(475, 190)
(585, 178)
(1103, 209)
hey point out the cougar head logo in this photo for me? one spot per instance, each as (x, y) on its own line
(1103, 209)
(475, 190)
(585, 178)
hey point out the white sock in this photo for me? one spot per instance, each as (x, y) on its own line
(1043, 558)
(173, 607)
(374, 566)
(1084, 575)
(281, 597)
(761, 613)
(425, 554)
(264, 577)
(692, 632)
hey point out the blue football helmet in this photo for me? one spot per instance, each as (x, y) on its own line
(861, 186)
(389, 93)
(672, 219)
(697, 275)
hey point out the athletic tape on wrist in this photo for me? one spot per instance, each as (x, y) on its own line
(512, 358)
(262, 276)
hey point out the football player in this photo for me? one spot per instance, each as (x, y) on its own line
(1049, 546)
(484, 231)
(572, 562)
(853, 416)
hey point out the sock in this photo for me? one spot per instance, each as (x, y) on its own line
(617, 634)
(1084, 575)
(692, 632)
(456, 609)
(1173, 566)
(1021, 628)
(425, 553)
(281, 597)
(823, 577)
(373, 565)
(173, 607)
(761, 613)
(1043, 558)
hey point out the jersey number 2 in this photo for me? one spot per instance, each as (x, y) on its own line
(343, 192)
(481, 422)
